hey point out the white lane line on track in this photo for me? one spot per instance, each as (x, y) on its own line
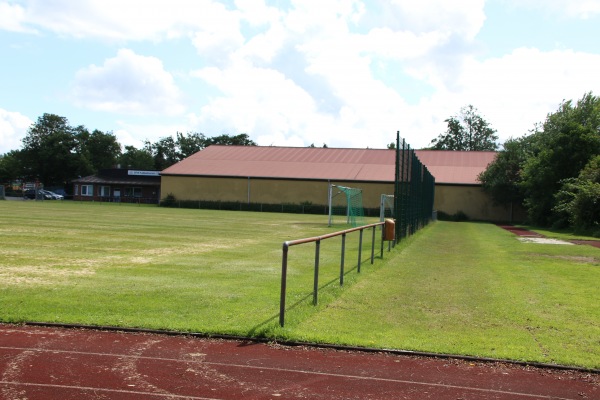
(94, 389)
(299, 371)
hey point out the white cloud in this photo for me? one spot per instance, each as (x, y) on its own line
(344, 72)
(350, 107)
(518, 90)
(120, 20)
(13, 128)
(579, 9)
(11, 18)
(255, 97)
(539, 80)
(464, 18)
(128, 84)
(135, 134)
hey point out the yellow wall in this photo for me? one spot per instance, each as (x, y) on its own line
(450, 199)
(267, 191)
(474, 202)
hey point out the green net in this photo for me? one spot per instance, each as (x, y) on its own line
(347, 208)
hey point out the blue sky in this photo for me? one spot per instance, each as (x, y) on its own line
(346, 73)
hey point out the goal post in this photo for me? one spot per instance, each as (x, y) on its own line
(386, 207)
(345, 202)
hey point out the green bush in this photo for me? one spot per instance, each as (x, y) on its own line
(578, 201)
(168, 201)
(459, 216)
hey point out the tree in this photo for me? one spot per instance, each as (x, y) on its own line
(189, 144)
(102, 150)
(579, 199)
(466, 131)
(50, 151)
(164, 152)
(238, 140)
(502, 179)
(136, 158)
(11, 167)
(168, 150)
(567, 141)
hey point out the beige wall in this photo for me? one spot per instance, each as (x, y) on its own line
(474, 202)
(267, 191)
(450, 199)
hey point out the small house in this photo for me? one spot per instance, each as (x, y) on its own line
(119, 185)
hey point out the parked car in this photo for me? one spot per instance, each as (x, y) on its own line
(39, 194)
(42, 195)
(55, 196)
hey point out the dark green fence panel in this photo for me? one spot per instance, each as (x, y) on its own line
(414, 190)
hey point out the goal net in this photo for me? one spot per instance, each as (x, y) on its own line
(386, 207)
(345, 205)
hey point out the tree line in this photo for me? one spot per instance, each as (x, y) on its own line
(555, 170)
(54, 153)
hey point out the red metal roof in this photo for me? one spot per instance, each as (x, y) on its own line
(456, 167)
(326, 163)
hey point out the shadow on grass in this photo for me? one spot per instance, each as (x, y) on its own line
(259, 332)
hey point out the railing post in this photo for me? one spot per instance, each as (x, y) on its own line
(317, 240)
(360, 241)
(381, 242)
(373, 247)
(342, 261)
(284, 259)
(316, 280)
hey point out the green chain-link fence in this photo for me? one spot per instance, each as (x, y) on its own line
(413, 191)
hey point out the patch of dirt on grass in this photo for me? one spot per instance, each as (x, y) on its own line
(21, 280)
(577, 259)
(540, 240)
(36, 275)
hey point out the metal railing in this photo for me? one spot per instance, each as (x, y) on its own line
(317, 240)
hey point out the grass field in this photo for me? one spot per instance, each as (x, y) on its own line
(460, 288)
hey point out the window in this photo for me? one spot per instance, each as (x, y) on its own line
(133, 192)
(105, 191)
(87, 190)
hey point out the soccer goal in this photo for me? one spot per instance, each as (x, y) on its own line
(345, 204)
(386, 207)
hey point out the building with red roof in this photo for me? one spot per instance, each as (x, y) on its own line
(301, 175)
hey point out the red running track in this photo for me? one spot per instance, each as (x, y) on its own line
(56, 363)
(526, 233)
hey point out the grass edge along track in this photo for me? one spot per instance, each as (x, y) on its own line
(457, 288)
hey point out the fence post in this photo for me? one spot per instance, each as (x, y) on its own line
(284, 259)
(316, 280)
(317, 240)
(360, 241)
(373, 247)
(342, 261)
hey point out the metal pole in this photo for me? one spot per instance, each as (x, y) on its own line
(382, 241)
(373, 247)
(316, 284)
(284, 259)
(330, 197)
(342, 261)
(360, 241)
(397, 182)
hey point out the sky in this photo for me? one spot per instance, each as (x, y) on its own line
(345, 73)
